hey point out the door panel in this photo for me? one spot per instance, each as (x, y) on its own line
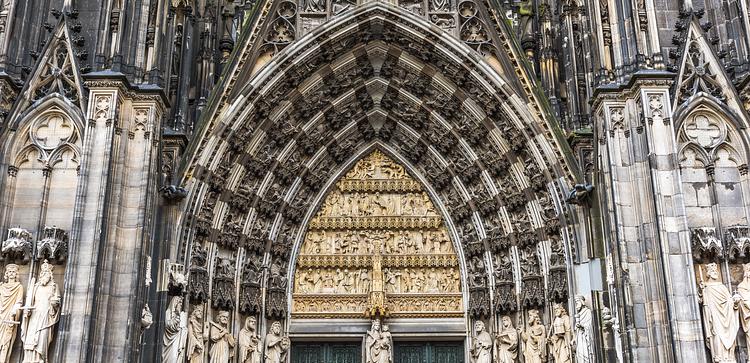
(326, 353)
(424, 352)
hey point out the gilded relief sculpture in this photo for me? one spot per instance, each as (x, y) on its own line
(377, 246)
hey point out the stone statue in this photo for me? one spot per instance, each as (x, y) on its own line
(222, 341)
(249, 342)
(378, 344)
(147, 319)
(719, 316)
(534, 339)
(276, 345)
(582, 342)
(560, 336)
(174, 326)
(197, 335)
(40, 323)
(481, 349)
(11, 299)
(506, 342)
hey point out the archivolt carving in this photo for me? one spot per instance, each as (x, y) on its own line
(342, 122)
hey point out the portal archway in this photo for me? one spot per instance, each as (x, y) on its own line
(487, 158)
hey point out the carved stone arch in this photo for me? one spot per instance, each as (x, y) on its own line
(500, 169)
(18, 133)
(693, 151)
(56, 156)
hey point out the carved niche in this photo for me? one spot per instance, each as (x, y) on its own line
(17, 246)
(377, 246)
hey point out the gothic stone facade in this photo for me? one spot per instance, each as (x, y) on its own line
(186, 180)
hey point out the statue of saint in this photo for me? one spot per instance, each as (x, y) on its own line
(11, 299)
(560, 336)
(222, 348)
(197, 335)
(249, 342)
(174, 324)
(378, 344)
(719, 316)
(506, 342)
(41, 320)
(481, 349)
(582, 341)
(276, 345)
(534, 339)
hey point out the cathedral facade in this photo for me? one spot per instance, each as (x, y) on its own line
(374, 181)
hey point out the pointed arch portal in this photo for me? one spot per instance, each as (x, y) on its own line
(275, 169)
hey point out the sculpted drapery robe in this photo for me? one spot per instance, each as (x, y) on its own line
(583, 336)
(249, 347)
(507, 346)
(11, 298)
(274, 350)
(534, 344)
(743, 289)
(195, 339)
(41, 323)
(561, 340)
(173, 331)
(378, 348)
(482, 350)
(222, 350)
(721, 320)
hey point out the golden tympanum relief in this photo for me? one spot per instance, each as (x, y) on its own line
(377, 246)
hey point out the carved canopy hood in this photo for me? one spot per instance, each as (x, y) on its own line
(262, 164)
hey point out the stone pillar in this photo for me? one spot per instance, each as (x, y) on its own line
(644, 218)
(104, 286)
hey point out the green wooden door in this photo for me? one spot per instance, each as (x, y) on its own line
(326, 353)
(425, 352)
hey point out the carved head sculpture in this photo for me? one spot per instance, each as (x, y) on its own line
(224, 318)
(580, 302)
(11, 272)
(712, 271)
(507, 323)
(478, 326)
(45, 273)
(533, 317)
(276, 328)
(385, 328)
(376, 325)
(559, 310)
(198, 312)
(175, 305)
(250, 323)
(746, 270)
